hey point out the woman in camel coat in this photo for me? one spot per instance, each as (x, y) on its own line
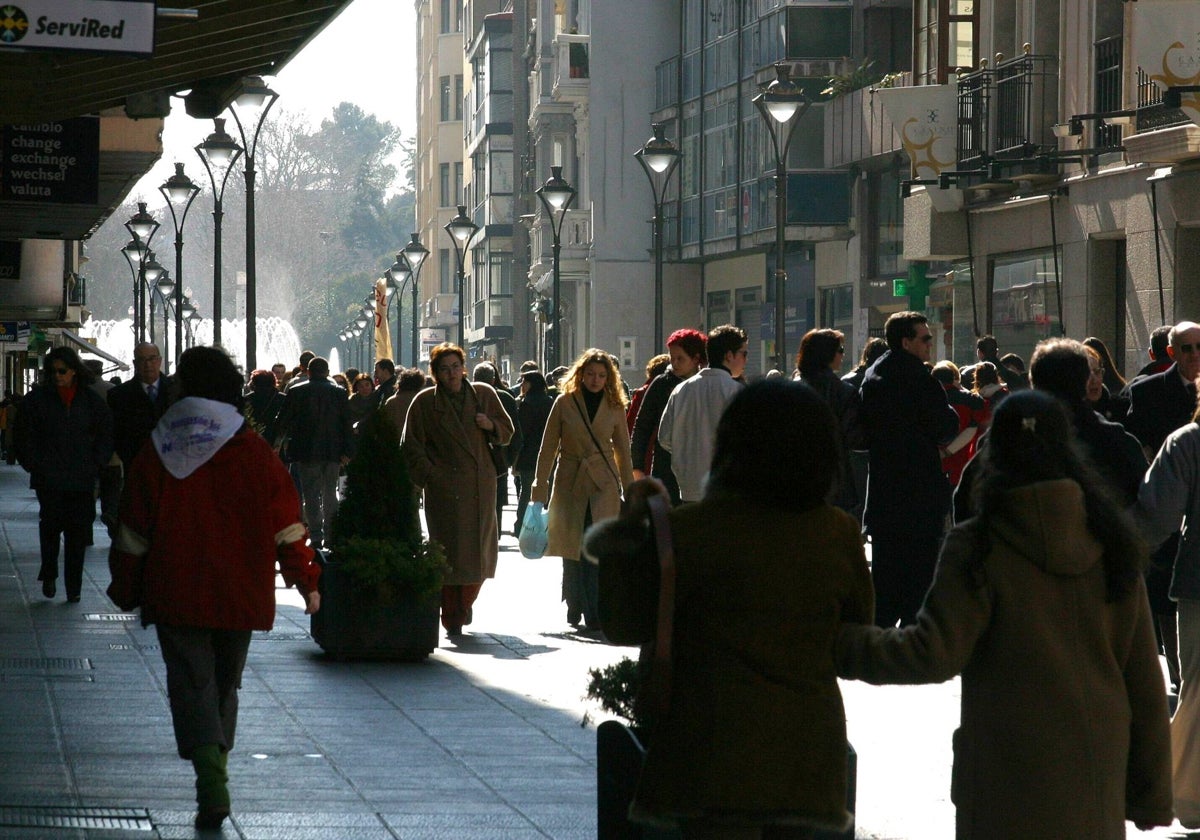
(587, 435)
(445, 445)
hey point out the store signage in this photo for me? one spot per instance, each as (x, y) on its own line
(925, 117)
(120, 26)
(14, 331)
(1166, 47)
(52, 162)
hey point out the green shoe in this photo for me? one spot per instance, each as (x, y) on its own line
(212, 792)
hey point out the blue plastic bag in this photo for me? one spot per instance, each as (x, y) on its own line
(535, 531)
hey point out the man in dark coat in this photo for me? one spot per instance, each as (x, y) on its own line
(385, 382)
(905, 416)
(138, 404)
(533, 409)
(486, 373)
(316, 420)
(1158, 405)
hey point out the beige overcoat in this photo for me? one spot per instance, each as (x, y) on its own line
(578, 483)
(448, 459)
(1064, 714)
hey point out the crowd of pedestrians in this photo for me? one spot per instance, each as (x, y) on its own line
(1027, 529)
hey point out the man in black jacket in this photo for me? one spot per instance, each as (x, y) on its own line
(138, 404)
(905, 417)
(486, 373)
(316, 422)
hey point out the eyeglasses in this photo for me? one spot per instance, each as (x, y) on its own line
(61, 371)
(1188, 348)
(451, 368)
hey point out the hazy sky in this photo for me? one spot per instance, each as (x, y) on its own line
(365, 56)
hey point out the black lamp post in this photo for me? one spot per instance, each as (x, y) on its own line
(180, 191)
(415, 254)
(255, 97)
(142, 227)
(659, 159)
(781, 105)
(461, 230)
(556, 196)
(163, 288)
(218, 153)
(397, 276)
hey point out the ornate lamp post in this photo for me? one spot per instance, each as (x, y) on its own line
(218, 153)
(461, 230)
(415, 254)
(397, 276)
(142, 227)
(659, 158)
(556, 196)
(163, 288)
(781, 105)
(180, 191)
(255, 100)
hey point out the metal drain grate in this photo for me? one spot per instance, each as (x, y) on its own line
(125, 819)
(132, 647)
(45, 664)
(278, 636)
(109, 617)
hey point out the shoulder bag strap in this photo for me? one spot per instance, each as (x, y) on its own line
(587, 424)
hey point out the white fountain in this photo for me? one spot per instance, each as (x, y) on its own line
(277, 339)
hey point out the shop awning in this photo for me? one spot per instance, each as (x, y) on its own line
(86, 346)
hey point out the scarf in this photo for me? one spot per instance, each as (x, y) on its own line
(191, 431)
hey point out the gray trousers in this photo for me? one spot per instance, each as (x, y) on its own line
(204, 673)
(318, 488)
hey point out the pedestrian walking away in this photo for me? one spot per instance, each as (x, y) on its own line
(1039, 603)
(208, 513)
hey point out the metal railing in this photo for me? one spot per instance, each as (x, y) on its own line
(1107, 89)
(1151, 113)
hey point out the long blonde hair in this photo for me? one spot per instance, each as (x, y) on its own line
(572, 380)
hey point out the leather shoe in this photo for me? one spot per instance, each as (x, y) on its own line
(48, 588)
(72, 599)
(210, 819)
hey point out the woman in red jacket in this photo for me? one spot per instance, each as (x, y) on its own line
(208, 511)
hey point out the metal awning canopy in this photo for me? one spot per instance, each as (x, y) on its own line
(203, 50)
(85, 346)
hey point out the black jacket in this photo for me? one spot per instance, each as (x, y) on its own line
(645, 432)
(533, 410)
(513, 447)
(63, 447)
(1158, 405)
(905, 416)
(316, 421)
(134, 415)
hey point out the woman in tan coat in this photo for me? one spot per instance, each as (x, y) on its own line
(1039, 603)
(587, 434)
(445, 444)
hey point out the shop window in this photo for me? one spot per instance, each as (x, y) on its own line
(1024, 300)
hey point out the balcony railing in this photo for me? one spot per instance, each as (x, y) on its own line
(1006, 112)
(492, 312)
(1151, 113)
(575, 238)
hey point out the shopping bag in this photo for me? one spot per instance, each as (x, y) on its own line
(535, 531)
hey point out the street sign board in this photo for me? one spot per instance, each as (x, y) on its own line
(108, 26)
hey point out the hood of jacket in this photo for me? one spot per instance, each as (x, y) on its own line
(191, 431)
(1046, 523)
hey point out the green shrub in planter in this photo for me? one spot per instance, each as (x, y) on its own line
(381, 580)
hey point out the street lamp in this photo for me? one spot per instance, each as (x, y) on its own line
(659, 158)
(163, 288)
(556, 196)
(142, 227)
(461, 230)
(397, 276)
(180, 191)
(219, 152)
(781, 105)
(415, 254)
(255, 97)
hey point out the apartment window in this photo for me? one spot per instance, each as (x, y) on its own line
(458, 97)
(445, 109)
(444, 185)
(500, 274)
(947, 39)
(458, 179)
(446, 269)
(446, 16)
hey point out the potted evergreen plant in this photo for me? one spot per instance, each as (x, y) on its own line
(381, 581)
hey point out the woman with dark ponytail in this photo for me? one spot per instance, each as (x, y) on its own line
(1039, 603)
